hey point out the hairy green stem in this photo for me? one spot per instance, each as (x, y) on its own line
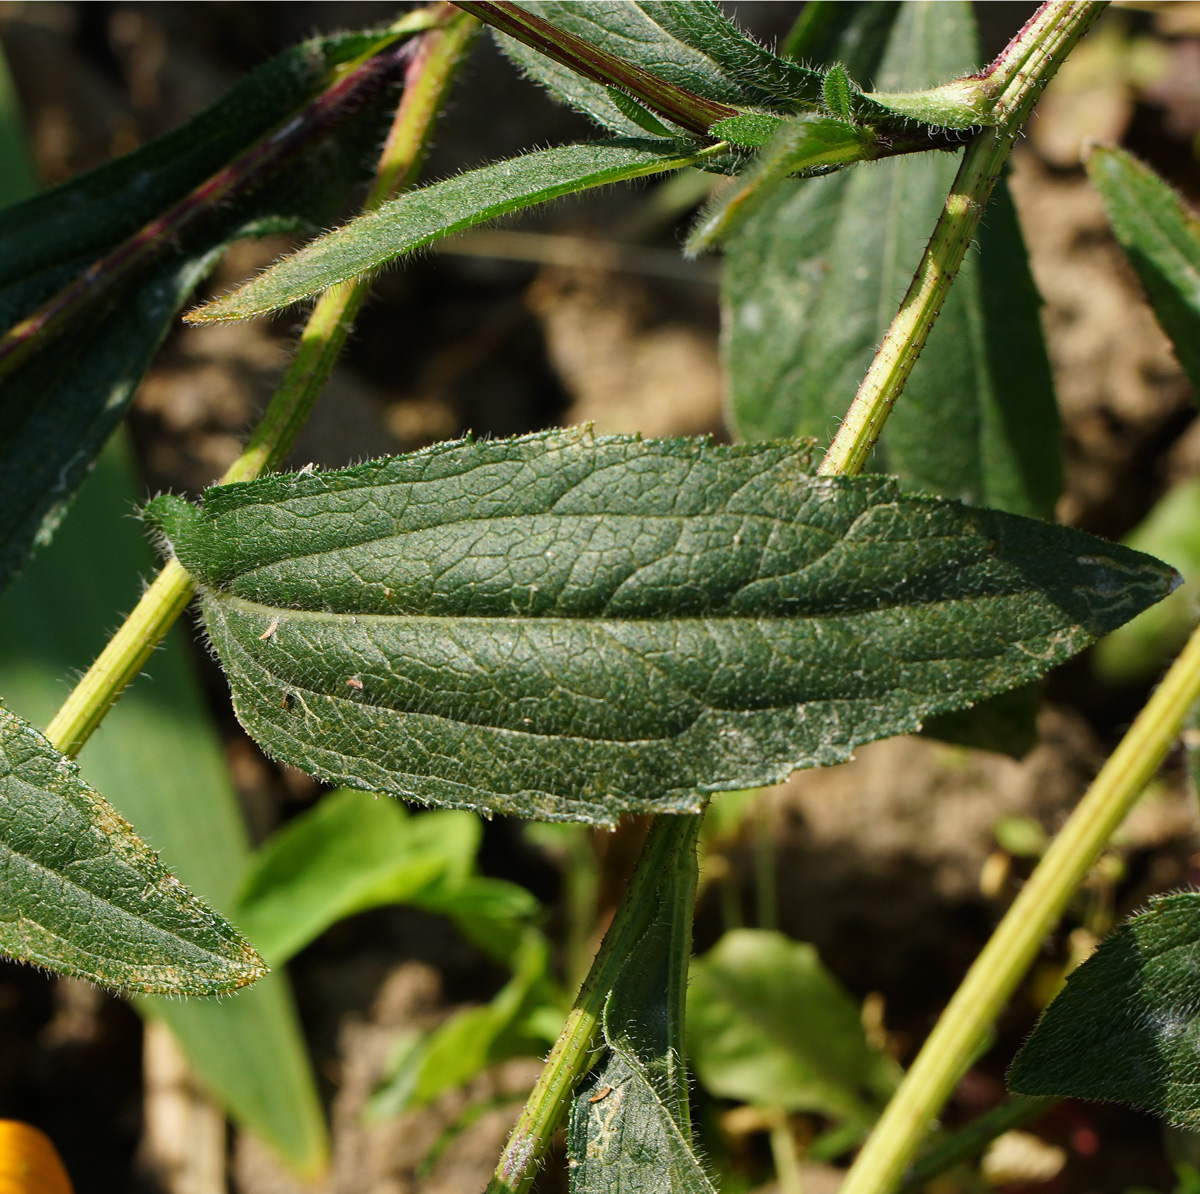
(1025, 67)
(670, 843)
(430, 70)
(340, 96)
(1016, 79)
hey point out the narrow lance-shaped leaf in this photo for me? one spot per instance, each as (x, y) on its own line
(570, 627)
(83, 895)
(429, 213)
(1126, 1026)
(630, 1127)
(1160, 234)
(354, 852)
(171, 208)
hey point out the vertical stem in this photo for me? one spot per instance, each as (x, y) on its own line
(430, 72)
(1015, 79)
(1027, 65)
(783, 1153)
(669, 843)
(991, 980)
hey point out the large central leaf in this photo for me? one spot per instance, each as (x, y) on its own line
(568, 627)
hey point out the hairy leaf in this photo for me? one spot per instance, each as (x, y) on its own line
(1126, 1026)
(429, 213)
(630, 1127)
(1160, 234)
(60, 406)
(159, 760)
(805, 144)
(692, 45)
(569, 627)
(812, 281)
(768, 1024)
(83, 895)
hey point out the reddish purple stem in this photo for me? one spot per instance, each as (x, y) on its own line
(341, 98)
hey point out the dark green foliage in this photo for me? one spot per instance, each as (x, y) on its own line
(85, 896)
(1127, 1025)
(567, 627)
(59, 407)
(1160, 234)
(630, 1127)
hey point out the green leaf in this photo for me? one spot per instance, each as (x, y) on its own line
(812, 282)
(1171, 531)
(704, 28)
(159, 759)
(471, 1040)
(85, 896)
(769, 1025)
(492, 914)
(429, 213)
(802, 145)
(17, 177)
(570, 627)
(352, 852)
(630, 1127)
(1160, 234)
(692, 45)
(1125, 1027)
(60, 406)
(642, 117)
(829, 31)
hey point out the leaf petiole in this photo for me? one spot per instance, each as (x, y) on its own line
(670, 845)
